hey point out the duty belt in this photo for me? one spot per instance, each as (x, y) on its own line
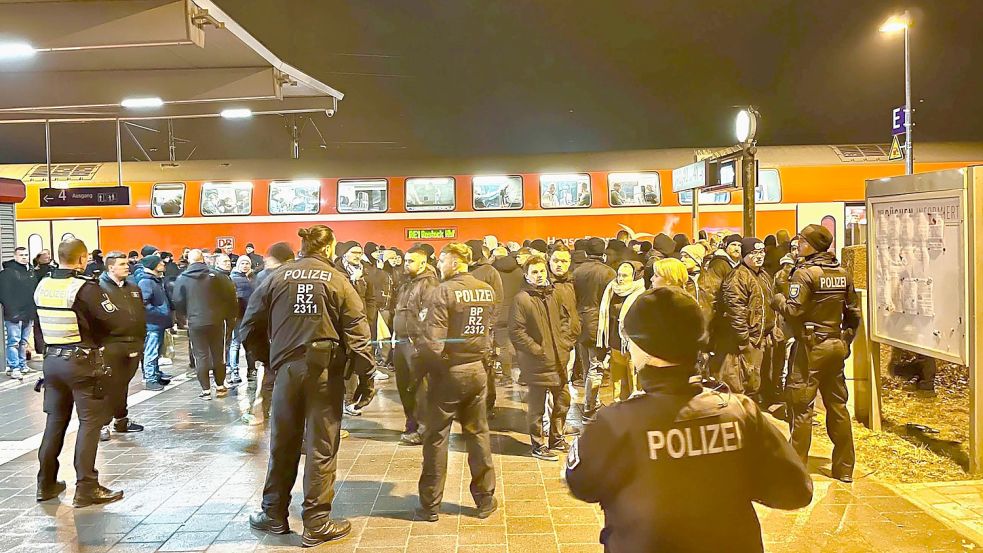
(66, 351)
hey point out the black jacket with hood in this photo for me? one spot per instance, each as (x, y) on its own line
(207, 297)
(17, 284)
(511, 273)
(543, 330)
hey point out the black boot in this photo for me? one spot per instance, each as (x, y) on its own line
(330, 530)
(89, 494)
(265, 523)
(51, 491)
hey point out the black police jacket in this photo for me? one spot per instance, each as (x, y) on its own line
(307, 301)
(127, 322)
(821, 295)
(677, 468)
(459, 319)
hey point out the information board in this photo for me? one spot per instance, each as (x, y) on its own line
(446, 233)
(85, 196)
(918, 272)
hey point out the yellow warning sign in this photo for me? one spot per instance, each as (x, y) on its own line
(896, 151)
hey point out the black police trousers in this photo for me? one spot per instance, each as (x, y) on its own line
(819, 368)
(411, 383)
(307, 407)
(68, 383)
(122, 366)
(459, 391)
(208, 349)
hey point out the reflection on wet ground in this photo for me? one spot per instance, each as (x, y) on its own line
(196, 473)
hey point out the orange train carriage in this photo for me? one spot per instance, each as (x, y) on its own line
(200, 203)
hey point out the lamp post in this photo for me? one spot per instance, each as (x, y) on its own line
(746, 128)
(894, 24)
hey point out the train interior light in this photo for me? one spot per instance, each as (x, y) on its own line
(16, 50)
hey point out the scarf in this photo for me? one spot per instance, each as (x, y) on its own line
(354, 271)
(629, 291)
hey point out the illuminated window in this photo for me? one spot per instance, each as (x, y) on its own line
(634, 189)
(363, 196)
(566, 190)
(706, 198)
(430, 194)
(226, 198)
(496, 192)
(167, 199)
(295, 197)
(769, 189)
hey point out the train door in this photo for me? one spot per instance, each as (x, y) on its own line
(41, 235)
(827, 214)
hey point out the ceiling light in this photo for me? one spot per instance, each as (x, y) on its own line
(894, 24)
(236, 113)
(746, 125)
(16, 50)
(142, 103)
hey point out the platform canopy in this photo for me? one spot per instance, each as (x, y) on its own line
(93, 59)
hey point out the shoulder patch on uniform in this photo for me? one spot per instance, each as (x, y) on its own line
(109, 306)
(793, 290)
(423, 314)
(573, 456)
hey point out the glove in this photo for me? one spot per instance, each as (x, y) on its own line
(365, 392)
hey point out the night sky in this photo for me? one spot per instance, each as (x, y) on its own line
(490, 77)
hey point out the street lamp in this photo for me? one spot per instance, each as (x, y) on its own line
(894, 24)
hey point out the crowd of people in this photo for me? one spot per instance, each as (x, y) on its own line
(549, 317)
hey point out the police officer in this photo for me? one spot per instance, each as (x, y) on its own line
(459, 319)
(124, 344)
(316, 324)
(74, 317)
(823, 314)
(659, 462)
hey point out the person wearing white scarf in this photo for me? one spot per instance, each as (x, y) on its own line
(620, 293)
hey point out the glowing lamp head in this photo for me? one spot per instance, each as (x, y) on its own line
(236, 113)
(137, 103)
(895, 23)
(16, 50)
(746, 125)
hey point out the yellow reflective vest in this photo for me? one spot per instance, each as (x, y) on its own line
(55, 298)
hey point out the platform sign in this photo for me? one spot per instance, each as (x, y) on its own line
(690, 177)
(85, 196)
(223, 241)
(898, 118)
(445, 233)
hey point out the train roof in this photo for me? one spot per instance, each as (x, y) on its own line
(635, 160)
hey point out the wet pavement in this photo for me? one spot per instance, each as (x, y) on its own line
(196, 473)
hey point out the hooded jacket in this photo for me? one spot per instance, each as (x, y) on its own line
(207, 297)
(589, 281)
(138, 273)
(541, 328)
(411, 302)
(483, 271)
(640, 459)
(160, 315)
(244, 289)
(17, 284)
(512, 280)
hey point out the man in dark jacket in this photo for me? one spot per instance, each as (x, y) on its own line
(511, 274)
(561, 277)
(647, 460)
(208, 298)
(482, 270)
(255, 260)
(350, 262)
(123, 348)
(589, 281)
(408, 328)
(159, 318)
(720, 264)
(747, 322)
(540, 327)
(17, 284)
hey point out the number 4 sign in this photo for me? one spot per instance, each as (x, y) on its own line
(223, 241)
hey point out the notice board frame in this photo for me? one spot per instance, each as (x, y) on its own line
(967, 184)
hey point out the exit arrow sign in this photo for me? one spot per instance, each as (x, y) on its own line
(85, 196)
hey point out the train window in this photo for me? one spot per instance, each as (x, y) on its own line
(634, 189)
(769, 189)
(167, 199)
(496, 192)
(430, 194)
(363, 196)
(855, 224)
(226, 198)
(34, 245)
(295, 197)
(706, 198)
(568, 190)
